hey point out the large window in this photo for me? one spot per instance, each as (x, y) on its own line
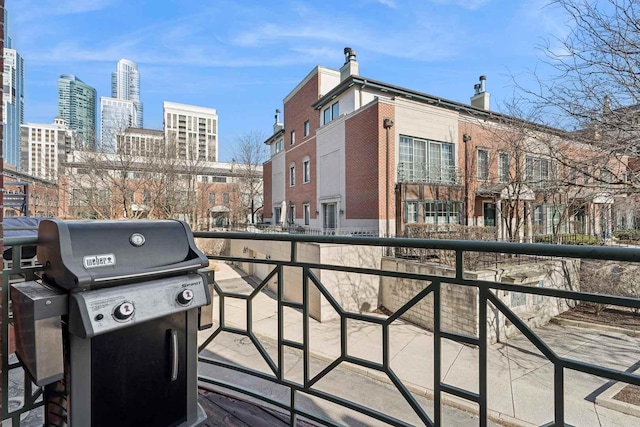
(426, 161)
(503, 167)
(483, 164)
(292, 214)
(537, 171)
(442, 212)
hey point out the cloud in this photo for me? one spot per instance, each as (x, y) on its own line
(389, 3)
(466, 4)
(38, 9)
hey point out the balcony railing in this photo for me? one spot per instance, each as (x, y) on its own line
(423, 172)
(488, 293)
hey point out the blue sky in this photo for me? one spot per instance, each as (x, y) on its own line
(242, 57)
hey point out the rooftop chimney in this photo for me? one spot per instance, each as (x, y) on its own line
(350, 67)
(480, 99)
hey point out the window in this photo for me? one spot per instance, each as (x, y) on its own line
(537, 171)
(225, 198)
(412, 212)
(307, 213)
(306, 171)
(331, 113)
(426, 161)
(306, 128)
(212, 198)
(292, 175)
(335, 111)
(293, 137)
(503, 167)
(483, 164)
(442, 212)
(538, 215)
(292, 214)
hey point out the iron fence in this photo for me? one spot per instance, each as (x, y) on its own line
(31, 397)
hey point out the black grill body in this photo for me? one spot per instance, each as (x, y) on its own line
(134, 290)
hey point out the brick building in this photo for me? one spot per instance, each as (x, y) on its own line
(357, 155)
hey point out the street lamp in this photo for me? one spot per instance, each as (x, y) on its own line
(466, 138)
(387, 124)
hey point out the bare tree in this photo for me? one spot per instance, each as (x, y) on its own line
(250, 153)
(595, 89)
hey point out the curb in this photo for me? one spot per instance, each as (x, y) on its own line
(606, 400)
(594, 326)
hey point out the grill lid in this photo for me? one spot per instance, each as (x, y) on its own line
(81, 255)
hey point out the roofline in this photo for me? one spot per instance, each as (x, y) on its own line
(424, 97)
(274, 136)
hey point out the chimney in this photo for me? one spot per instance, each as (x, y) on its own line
(480, 99)
(350, 67)
(278, 125)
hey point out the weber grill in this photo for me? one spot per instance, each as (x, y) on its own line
(110, 330)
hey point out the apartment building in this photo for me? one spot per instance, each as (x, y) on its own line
(193, 130)
(43, 146)
(358, 154)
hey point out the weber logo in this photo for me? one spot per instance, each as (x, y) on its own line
(92, 261)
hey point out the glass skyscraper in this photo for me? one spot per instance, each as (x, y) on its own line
(12, 100)
(77, 106)
(125, 84)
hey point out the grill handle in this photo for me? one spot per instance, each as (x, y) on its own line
(174, 354)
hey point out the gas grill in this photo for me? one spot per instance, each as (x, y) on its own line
(110, 330)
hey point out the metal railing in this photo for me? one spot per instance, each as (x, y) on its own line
(423, 172)
(31, 398)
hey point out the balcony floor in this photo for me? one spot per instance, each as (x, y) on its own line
(223, 410)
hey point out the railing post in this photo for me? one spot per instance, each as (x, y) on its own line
(482, 349)
(437, 355)
(558, 393)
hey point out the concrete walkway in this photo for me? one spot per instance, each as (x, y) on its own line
(520, 379)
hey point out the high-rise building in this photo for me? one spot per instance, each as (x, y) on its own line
(77, 106)
(116, 116)
(125, 84)
(193, 130)
(44, 146)
(12, 101)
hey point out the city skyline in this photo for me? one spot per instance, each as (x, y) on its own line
(241, 59)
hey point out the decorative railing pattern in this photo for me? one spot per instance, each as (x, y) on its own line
(31, 397)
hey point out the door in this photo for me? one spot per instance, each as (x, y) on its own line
(131, 375)
(329, 217)
(489, 213)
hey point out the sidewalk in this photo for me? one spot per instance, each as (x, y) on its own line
(520, 379)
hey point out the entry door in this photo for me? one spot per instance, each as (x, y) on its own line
(329, 216)
(489, 214)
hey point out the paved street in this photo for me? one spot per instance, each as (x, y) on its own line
(520, 378)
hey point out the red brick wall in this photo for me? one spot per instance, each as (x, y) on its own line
(365, 158)
(297, 110)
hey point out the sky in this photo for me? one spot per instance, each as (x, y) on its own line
(243, 57)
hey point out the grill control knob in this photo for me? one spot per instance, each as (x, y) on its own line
(185, 297)
(123, 311)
